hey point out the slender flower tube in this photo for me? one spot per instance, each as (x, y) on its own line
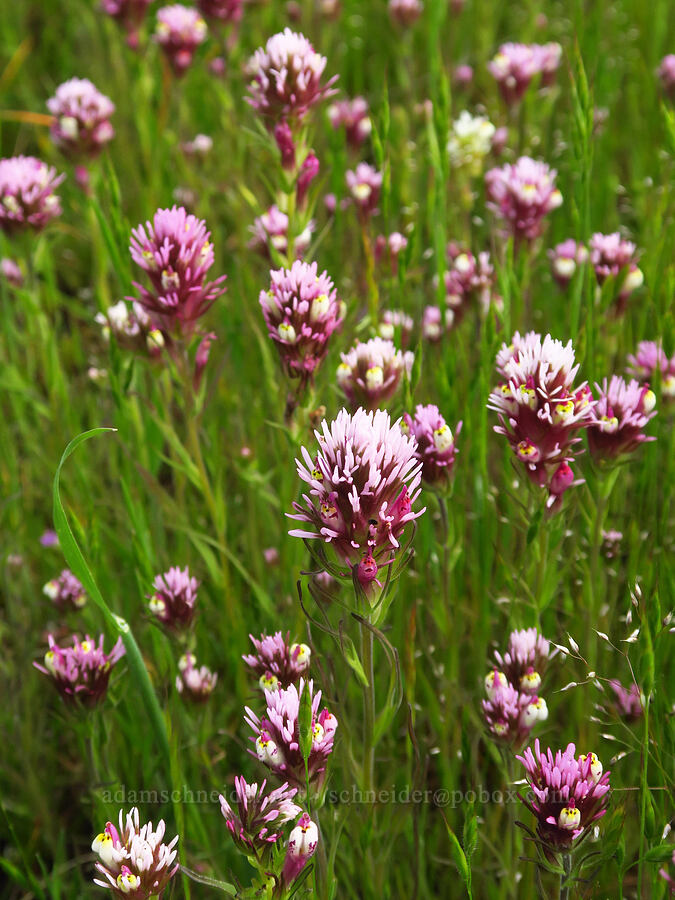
(435, 443)
(371, 373)
(180, 30)
(301, 311)
(363, 483)
(619, 417)
(173, 599)
(81, 118)
(302, 844)
(175, 252)
(65, 592)
(27, 198)
(134, 860)
(254, 824)
(277, 740)
(522, 194)
(567, 794)
(286, 78)
(276, 661)
(80, 673)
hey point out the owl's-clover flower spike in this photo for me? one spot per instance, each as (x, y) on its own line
(82, 114)
(80, 673)
(287, 78)
(540, 410)
(364, 184)
(255, 822)
(515, 65)
(180, 30)
(619, 418)
(277, 735)
(525, 660)
(301, 311)
(611, 255)
(276, 661)
(27, 198)
(628, 702)
(173, 599)
(435, 443)
(65, 591)
(522, 194)
(130, 15)
(510, 714)
(195, 683)
(468, 279)
(565, 259)
(567, 794)
(302, 845)
(650, 358)
(134, 860)
(175, 252)
(470, 142)
(270, 232)
(132, 328)
(363, 482)
(394, 320)
(228, 12)
(371, 373)
(405, 13)
(354, 116)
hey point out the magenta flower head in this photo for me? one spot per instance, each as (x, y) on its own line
(364, 184)
(522, 194)
(175, 252)
(276, 661)
(302, 843)
(354, 116)
(567, 794)
(515, 65)
(540, 410)
(180, 30)
(130, 15)
(226, 11)
(287, 78)
(65, 592)
(649, 359)
(27, 198)
(524, 662)
(666, 74)
(174, 597)
(614, 257)
(81, 118)
(301, 311)
(132, 328)
(405, 12)
(565, 259)
(133, 860)
(194, 682)
(628, 702)
(255, 824)
(396, 322)
(435, 444)
(80, 673)
(277, 741)
(469, 279)
(363, 483)
(436, 322)
(619, 418)
(270, 233)
(510, 715)
(371, 373)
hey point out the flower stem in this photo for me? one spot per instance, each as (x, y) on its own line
(368, 778)
(564, 876)
(373, 294)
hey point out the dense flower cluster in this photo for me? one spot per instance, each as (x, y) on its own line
(27, 198)
(525, 659)
(612, 256)
(515, 65)
(81, 118)
(619, 417)
(649, 359)
(277, 741)
(270, 230)
(363, 482)
(227, 11)
(287, 77)
(129, 13)
(470, 142)
(628, 702)
(370, 373)
(522, 194)
(131, 327)
(197, 683)
(80, 673)
(255, 823)
(176, 253)
(435, 443)
(364, 184)
(565, 259)
(393, 321)
(65, 592)
(469, 279)
(173, 599)
(354, 116)
(301, 311)
(276, 661)
(540, 410)
(133, 860)
(180, 30)
(567, 794)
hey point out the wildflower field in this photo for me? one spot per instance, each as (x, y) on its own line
(337, 383)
